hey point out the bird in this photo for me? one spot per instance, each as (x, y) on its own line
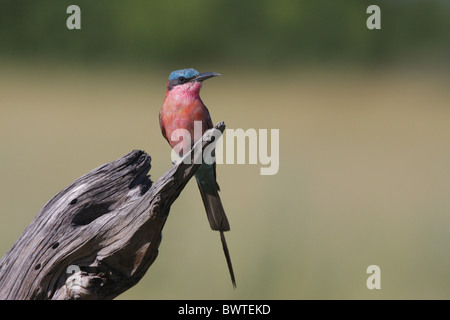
(182, 106)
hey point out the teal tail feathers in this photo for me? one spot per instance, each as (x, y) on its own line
(209, 190)
(227, 256)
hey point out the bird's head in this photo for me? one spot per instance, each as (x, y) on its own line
(188, 80)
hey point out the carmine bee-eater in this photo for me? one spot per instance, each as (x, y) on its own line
(182, 107)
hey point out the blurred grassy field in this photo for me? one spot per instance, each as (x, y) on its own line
(364, 176)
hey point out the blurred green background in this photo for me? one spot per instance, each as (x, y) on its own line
(364, 136)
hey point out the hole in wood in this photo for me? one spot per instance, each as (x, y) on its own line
(89, 212)
(38, 266)
(74, 201)
(55, 245)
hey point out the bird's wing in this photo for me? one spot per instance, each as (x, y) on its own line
(163, 129)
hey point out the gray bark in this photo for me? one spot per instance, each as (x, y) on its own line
(97, 238)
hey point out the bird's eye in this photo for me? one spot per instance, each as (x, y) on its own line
(181, 79)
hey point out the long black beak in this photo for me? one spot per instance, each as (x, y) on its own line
(205, 75)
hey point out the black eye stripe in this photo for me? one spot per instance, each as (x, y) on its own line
(177, 81)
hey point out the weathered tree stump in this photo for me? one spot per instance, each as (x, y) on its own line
(106, 227)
